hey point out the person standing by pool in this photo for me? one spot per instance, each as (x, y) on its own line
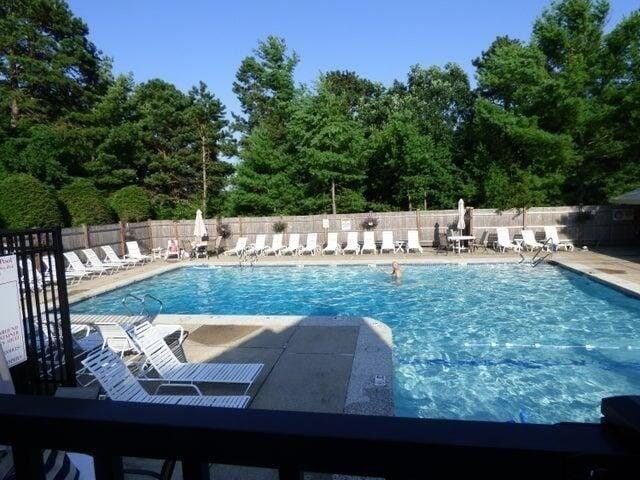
(396, 273)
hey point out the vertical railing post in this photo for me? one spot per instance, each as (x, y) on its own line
(195, 470)
(107, 467)
(28, 462)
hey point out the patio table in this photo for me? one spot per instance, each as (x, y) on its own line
(458, 239)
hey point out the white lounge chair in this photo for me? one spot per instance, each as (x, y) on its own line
(294, 245)
(34, 276)
(352, 244)
(504, 242)
(170, 369)
(387, 242)
(312, 244)
(134, 252)
(413, 241)
(551, 234)
(72, 275)
(276, 245)
(120, 385)
(332, 244)
(112, 257)
(259, 247)
(76, 265)
(116, 338)
(529, 240)
(173, 250)
(369, 243)
(241, 246)
(94, 261)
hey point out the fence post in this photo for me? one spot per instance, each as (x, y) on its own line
(470, 210)
(175, 230)
(418, 222)
(150, 229)
(85, 234)
(239, 226)
(122, 238)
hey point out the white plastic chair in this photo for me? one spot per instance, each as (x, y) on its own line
(387, 242)
(529, 240)
(312, 244)
(369, 243)
(260, 246)
(120, 385)
(551, 233)
(134, 252)
(504, 242)
(332, 244)
(413, 241)
(163, 360)
(94, 261)
(112, 257)
(294, 245)
(276, 245)
(241, 246)
(352, 244)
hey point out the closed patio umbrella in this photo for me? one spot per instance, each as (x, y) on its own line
(629, 198)
(461, 223)
(199, 229)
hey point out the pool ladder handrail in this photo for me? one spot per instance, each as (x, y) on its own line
(549, 252)
(143, 302)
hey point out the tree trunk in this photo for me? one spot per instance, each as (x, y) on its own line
(425, 200)
(333, 196)
(204, 178)
(15, 112)
(409, 198)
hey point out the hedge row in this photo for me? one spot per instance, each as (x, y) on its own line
(25, 202)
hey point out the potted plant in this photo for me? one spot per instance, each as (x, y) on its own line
(369, 223)
(279, 226)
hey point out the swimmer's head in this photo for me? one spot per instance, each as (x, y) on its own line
(395, 265)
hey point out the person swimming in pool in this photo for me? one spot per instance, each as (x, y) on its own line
(396, 273)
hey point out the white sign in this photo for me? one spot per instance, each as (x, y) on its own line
(325, 223)
(11, 331)
(346, 225)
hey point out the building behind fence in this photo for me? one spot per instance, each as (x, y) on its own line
(588, 225)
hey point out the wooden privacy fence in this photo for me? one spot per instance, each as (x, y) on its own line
(587, 225)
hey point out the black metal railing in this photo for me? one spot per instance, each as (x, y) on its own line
(296, 442)
(44, 308)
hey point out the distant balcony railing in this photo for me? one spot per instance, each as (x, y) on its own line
(296, 442)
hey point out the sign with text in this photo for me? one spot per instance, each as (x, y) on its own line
(325, 223)
(346, 225)
(11, 330)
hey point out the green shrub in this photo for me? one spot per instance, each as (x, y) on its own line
(84, 203)
(26, 202)
(132, 204)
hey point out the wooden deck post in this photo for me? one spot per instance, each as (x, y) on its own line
(150, 228)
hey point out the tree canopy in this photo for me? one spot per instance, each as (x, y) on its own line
(553, 119)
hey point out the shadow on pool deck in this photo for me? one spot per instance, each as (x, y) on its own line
(313, 364)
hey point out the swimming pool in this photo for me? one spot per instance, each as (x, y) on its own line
(478, 342)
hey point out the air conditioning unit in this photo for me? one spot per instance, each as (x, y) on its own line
(622, 215)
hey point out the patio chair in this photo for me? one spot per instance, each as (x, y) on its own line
(173, 250)
(170, 369)
(76, 265)
(352, 244)
(332, 244)
(241, 246)
(35, 277)
(312, 244)
(112, 257)
(442, 242)
(387, 242)
(94, 261)
(529, 240)
(50, 271)
(413, 241)
(122, 386)
(551, 234)
(369, 243)
(259, 247)
(294, 245)
(276, 245)
(482, 242)
(504, 242)
(134, 252)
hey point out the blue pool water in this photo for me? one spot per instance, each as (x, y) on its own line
(464, 336)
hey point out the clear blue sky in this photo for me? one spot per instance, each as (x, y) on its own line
(191, 40)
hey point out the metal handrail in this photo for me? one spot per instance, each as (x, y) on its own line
(135, 297)
(545, 244)
(152, 297)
